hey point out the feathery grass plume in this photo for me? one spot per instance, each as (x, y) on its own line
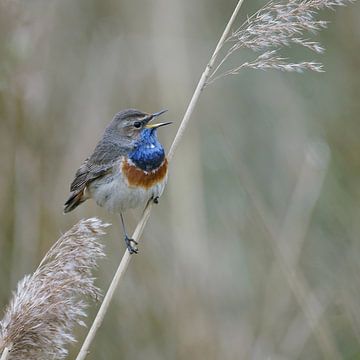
(275, 26)
(46, 306)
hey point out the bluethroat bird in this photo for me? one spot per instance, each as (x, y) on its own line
(127, 169)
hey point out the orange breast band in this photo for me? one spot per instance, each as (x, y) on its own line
(140, 178)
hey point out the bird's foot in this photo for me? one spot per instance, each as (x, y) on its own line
(156, 200)
(129, 244)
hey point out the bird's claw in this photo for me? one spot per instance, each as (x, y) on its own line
(156, 200)
(132, 249)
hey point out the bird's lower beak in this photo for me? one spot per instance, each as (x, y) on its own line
(155, 126)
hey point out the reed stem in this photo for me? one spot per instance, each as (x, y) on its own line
(125, 261)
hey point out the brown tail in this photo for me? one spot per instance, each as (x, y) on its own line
(74, 200)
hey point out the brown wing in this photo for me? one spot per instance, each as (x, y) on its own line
(87, 173)
(84, 175)
(81, 175)
(100, 163)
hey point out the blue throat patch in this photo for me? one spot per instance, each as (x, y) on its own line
(148, 153)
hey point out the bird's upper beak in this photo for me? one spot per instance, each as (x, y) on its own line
(155, 126)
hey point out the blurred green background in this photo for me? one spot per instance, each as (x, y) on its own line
(253, 252)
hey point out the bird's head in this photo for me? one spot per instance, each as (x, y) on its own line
(132, 125)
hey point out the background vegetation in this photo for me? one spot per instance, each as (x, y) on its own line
(253, 252)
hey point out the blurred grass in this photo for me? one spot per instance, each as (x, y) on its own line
(202, 285)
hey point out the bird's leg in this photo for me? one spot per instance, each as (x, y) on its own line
(128, 241)
(154, 199)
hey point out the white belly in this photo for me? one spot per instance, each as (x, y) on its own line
(114, 194)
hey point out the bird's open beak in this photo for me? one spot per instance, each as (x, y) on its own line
(155, 126)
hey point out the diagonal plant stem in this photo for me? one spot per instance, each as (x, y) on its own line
(125, 261)
(202, 82)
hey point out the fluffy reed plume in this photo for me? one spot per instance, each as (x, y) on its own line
(275, 26)
(46, 306)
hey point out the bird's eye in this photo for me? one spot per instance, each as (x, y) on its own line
(137, 124)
